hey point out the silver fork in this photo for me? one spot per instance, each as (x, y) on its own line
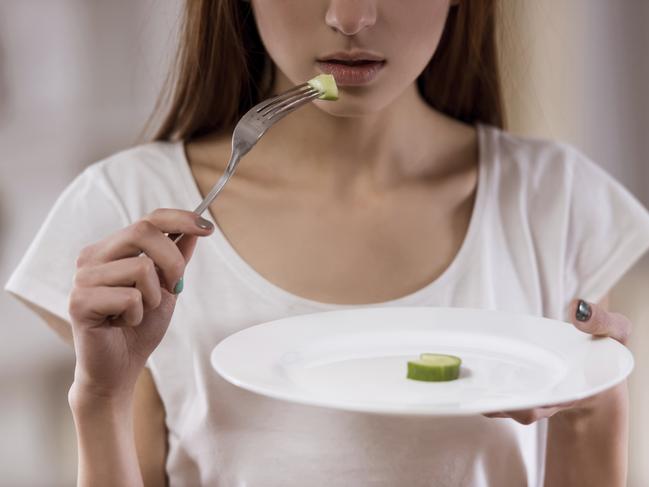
(254, 123)
(249, 129)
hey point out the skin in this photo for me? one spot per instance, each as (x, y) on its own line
(372, 136)
(587, 439)
(372, 167)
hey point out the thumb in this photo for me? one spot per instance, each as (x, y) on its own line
(593, 319)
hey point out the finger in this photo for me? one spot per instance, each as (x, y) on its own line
(561, 405)
(145, 236)
(134, 271)
(496, 415)
(128, 241)
(595, 320)
(174, 221)
(529, 416)
(186, 245)
(532, 416)
(524, 417)
(92, 305)
(148, 239)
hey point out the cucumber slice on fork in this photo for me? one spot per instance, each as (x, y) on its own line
(325, 84)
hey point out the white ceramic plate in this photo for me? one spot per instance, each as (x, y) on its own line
(355, 359)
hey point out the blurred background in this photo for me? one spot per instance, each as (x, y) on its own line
(78, 79)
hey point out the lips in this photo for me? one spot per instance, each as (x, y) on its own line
(351, 74)
(355, 62)
(354, 55)
(352, 68)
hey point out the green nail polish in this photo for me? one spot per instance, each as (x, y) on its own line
(178, 288)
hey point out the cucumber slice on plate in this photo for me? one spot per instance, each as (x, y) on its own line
(325, 84)
(434, 367)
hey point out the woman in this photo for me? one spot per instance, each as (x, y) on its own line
(406, 191)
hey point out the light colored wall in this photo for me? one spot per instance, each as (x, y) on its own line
(78, 78)
(578, 71)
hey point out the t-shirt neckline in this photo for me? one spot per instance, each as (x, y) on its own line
(268, 289)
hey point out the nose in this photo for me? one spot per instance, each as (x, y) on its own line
(349, 17)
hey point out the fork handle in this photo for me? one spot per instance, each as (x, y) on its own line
(175, 237)
(216, 189)
(220, 184)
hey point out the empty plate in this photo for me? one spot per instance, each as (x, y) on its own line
(356, 359)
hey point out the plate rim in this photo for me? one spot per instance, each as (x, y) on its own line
(411, 410)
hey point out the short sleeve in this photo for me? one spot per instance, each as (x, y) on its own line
(608, 231)
(86, 211)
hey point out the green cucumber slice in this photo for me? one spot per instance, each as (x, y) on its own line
(325, 84)
(434, 367)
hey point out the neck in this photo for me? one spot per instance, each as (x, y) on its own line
(405, 140)
(378, 149)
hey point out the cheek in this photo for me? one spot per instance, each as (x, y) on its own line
(294, 33)
(287, 28)
(415, 31)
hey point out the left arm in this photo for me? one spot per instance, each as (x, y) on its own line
(587, 439)
(587, 444)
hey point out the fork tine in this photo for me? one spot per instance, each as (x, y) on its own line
(280, 103)
(278, 106)
(288, 108)
(249, 130)
(269, 114)
(280, 97)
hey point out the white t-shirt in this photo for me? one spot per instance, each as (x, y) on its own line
(548, 226)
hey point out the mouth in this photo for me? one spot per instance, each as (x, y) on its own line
(351, 62)
(352, 68)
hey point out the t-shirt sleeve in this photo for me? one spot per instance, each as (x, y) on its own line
(608, 231)
(85, 212)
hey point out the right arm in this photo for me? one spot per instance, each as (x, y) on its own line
(105, 440)
(148, 411)
(138, 439)
(112, 391)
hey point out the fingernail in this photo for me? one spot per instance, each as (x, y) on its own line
(584, 311)
(203, 223)
(178, 288)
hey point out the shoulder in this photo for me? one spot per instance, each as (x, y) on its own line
(141, 178)
(534, 156)
(562, 192)
(155, 158)
(541, 166)
(556, 188)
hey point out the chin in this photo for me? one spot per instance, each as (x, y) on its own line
(350, 106)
